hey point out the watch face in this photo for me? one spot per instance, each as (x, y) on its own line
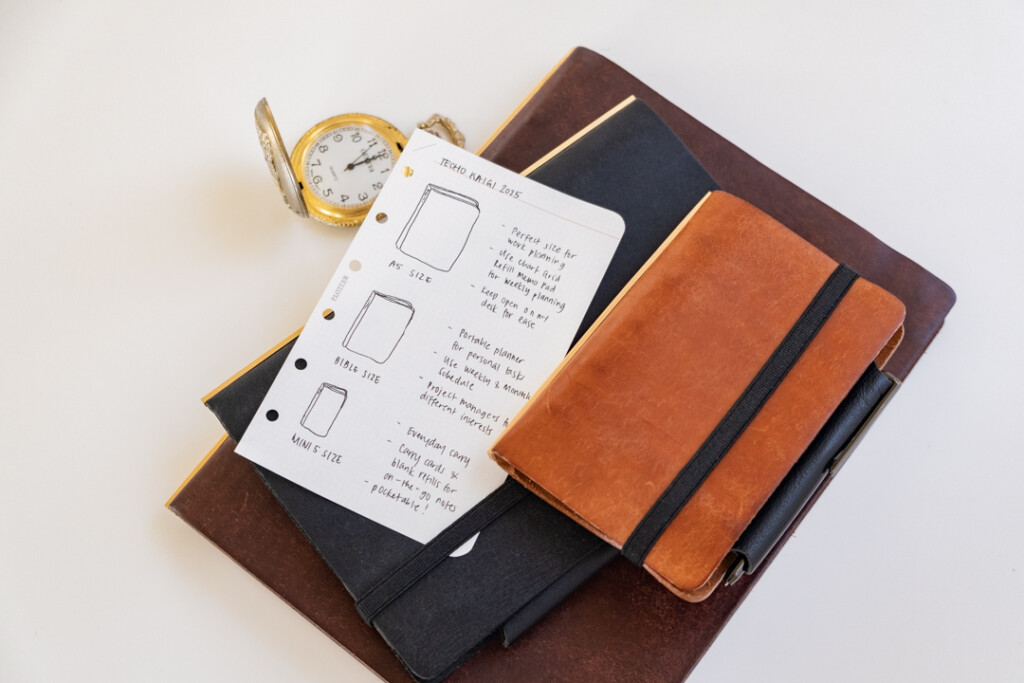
(347, 165)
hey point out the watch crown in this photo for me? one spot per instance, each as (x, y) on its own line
(443, 127)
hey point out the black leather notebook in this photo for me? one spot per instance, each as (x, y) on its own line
(435, 610)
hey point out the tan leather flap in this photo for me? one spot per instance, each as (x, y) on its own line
(643, 389)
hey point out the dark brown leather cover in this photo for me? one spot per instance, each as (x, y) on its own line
(599, 633)
(649, 382)
(226, 501)
(586, 85)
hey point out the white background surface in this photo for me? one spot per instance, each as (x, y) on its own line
(146, 256)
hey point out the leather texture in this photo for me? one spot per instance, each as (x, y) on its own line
(651, 380)
(226, 501)
(739, 416)
(621, 625)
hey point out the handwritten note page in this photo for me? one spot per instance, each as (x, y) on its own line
(459, 295)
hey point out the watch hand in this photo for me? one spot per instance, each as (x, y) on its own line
(361, 155)
(367, 160)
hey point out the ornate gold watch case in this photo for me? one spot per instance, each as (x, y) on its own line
(339, 165)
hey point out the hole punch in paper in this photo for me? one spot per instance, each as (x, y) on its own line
(439, 228)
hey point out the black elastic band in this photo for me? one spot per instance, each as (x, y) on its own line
(441, 546)
(714, 448)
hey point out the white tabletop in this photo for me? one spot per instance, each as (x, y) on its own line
(147, 256)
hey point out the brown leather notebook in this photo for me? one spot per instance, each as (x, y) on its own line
(597, 633)
(709, 375)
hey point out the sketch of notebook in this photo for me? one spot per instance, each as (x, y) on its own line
(439, 228)
(323, 410)
(379, 326)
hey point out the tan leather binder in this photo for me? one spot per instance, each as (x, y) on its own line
(709, 375)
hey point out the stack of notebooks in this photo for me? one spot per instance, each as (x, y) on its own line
(726, 272)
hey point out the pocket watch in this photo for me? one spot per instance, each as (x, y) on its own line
(339, 165)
